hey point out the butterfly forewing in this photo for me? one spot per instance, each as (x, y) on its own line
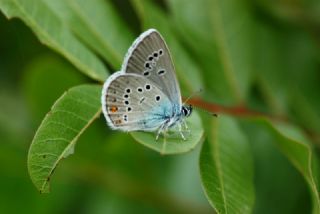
(132, 102)
(150, 58)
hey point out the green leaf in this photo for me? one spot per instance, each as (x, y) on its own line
(54, 33)
(304, 102)
(187, 70)
(55, 138)
(173, 144)
(279, 63)
(271, 177)
(304, 111)
(226, 168)
(220, 35)
(299, 152)
(105, 32)
(272, 74)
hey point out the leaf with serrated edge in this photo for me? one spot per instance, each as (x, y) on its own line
(54, 33)
(226, 168)
(173, 143)
(55, 138)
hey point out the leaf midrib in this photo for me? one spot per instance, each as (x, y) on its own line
(70, 144)
(217, 161)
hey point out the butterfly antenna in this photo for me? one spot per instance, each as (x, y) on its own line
(208, 112)
(191, 95)
(205, 111)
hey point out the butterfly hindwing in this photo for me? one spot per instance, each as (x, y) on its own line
(132, 102)
(149, 57)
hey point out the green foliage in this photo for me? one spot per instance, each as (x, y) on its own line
(224, 44)
(60, 130)
(248, 56)
(95, 30)
(226, 168)
(298, 150)
(172, 143)
(53, 32)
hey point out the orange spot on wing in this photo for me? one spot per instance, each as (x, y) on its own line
(113, 109)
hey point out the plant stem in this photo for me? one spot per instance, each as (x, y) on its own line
(240, 110)
(244, 111)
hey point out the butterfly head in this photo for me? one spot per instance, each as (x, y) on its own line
(186, 110)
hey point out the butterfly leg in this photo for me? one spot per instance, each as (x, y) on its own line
(160, 130)
(186, 126)
(158, 133)
(165, 129)
(180, 130)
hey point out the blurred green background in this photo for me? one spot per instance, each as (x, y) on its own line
(276, 58)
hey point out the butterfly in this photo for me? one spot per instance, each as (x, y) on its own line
(145, 95)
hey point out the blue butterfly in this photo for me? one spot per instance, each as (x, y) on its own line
(145, 94)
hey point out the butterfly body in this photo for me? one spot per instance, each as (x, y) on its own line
(145, 94)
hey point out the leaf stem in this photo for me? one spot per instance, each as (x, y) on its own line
(239, 110)
(244, 111)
